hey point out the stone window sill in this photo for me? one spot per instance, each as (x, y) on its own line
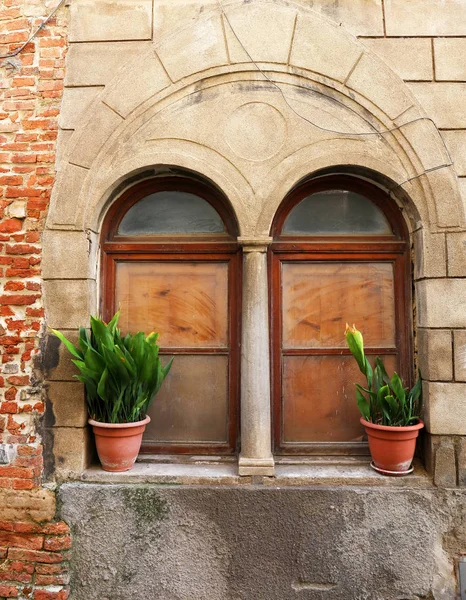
(296, 472)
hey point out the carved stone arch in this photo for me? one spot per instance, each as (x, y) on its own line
(305, 55)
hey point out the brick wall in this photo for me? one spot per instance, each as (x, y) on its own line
(32, 552)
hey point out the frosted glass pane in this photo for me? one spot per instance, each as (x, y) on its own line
(192, 404)
(186, 302)
(319, 401)
(336, 212)
(171, 212)
(320, 298)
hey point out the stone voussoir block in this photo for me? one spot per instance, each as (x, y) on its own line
(185, 53)
(321, 47)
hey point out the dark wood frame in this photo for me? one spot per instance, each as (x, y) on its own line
(392, 249)
(220, 248)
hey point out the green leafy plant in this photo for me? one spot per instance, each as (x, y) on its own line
(121, 375)
(385, 401)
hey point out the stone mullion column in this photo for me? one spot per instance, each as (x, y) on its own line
(256, 445)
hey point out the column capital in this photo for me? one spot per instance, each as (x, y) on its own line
(259, 244)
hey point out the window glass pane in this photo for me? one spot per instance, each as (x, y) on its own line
(319, 402)
(170, 212)
(192, 404)
(319, 298)
(186, 302)
(336, 212)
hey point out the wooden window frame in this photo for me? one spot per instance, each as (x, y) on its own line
(179, 248)
(393, 249)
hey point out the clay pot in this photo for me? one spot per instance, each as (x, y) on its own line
(392, 448)
(118, 443)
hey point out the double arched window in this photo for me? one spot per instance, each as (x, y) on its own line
(171, 264)
(340, 253)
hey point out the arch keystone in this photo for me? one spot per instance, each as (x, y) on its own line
(320, 47)
(194, 49)
(272, 22)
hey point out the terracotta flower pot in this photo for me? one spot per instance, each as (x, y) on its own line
(392, 448)
(118, 443)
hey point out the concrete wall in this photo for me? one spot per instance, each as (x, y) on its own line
(262, 543)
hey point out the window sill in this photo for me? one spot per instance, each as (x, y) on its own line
(296, 472)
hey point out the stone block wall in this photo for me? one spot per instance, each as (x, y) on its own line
(33, 546)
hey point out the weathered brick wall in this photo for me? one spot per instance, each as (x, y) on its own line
(32, 552)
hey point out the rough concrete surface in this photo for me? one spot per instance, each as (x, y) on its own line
(191, 543)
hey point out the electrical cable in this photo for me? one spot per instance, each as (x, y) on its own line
(33, 35)
(347, 133)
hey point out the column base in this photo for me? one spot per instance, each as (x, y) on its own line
(256, 466)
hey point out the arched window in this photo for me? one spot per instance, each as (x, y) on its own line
(340, 254)
(171, 264)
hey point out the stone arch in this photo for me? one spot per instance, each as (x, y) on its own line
(309, 56)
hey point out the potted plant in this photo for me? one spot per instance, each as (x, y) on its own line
(121, 375)
(390, 412)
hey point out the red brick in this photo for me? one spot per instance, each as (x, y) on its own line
(8, 407)
(9, 591)
(11, 180)
(19, 380)
(46, 595)
(16, 577)
(56, 543)
(14, 286)
(39, 556)
(17, 472)
(20, 567)
(22, 249)
(22, 484)
(22, 540)
(60, 579)
(59, 528)
(18, 300)
(29, 450)
(51, 569)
